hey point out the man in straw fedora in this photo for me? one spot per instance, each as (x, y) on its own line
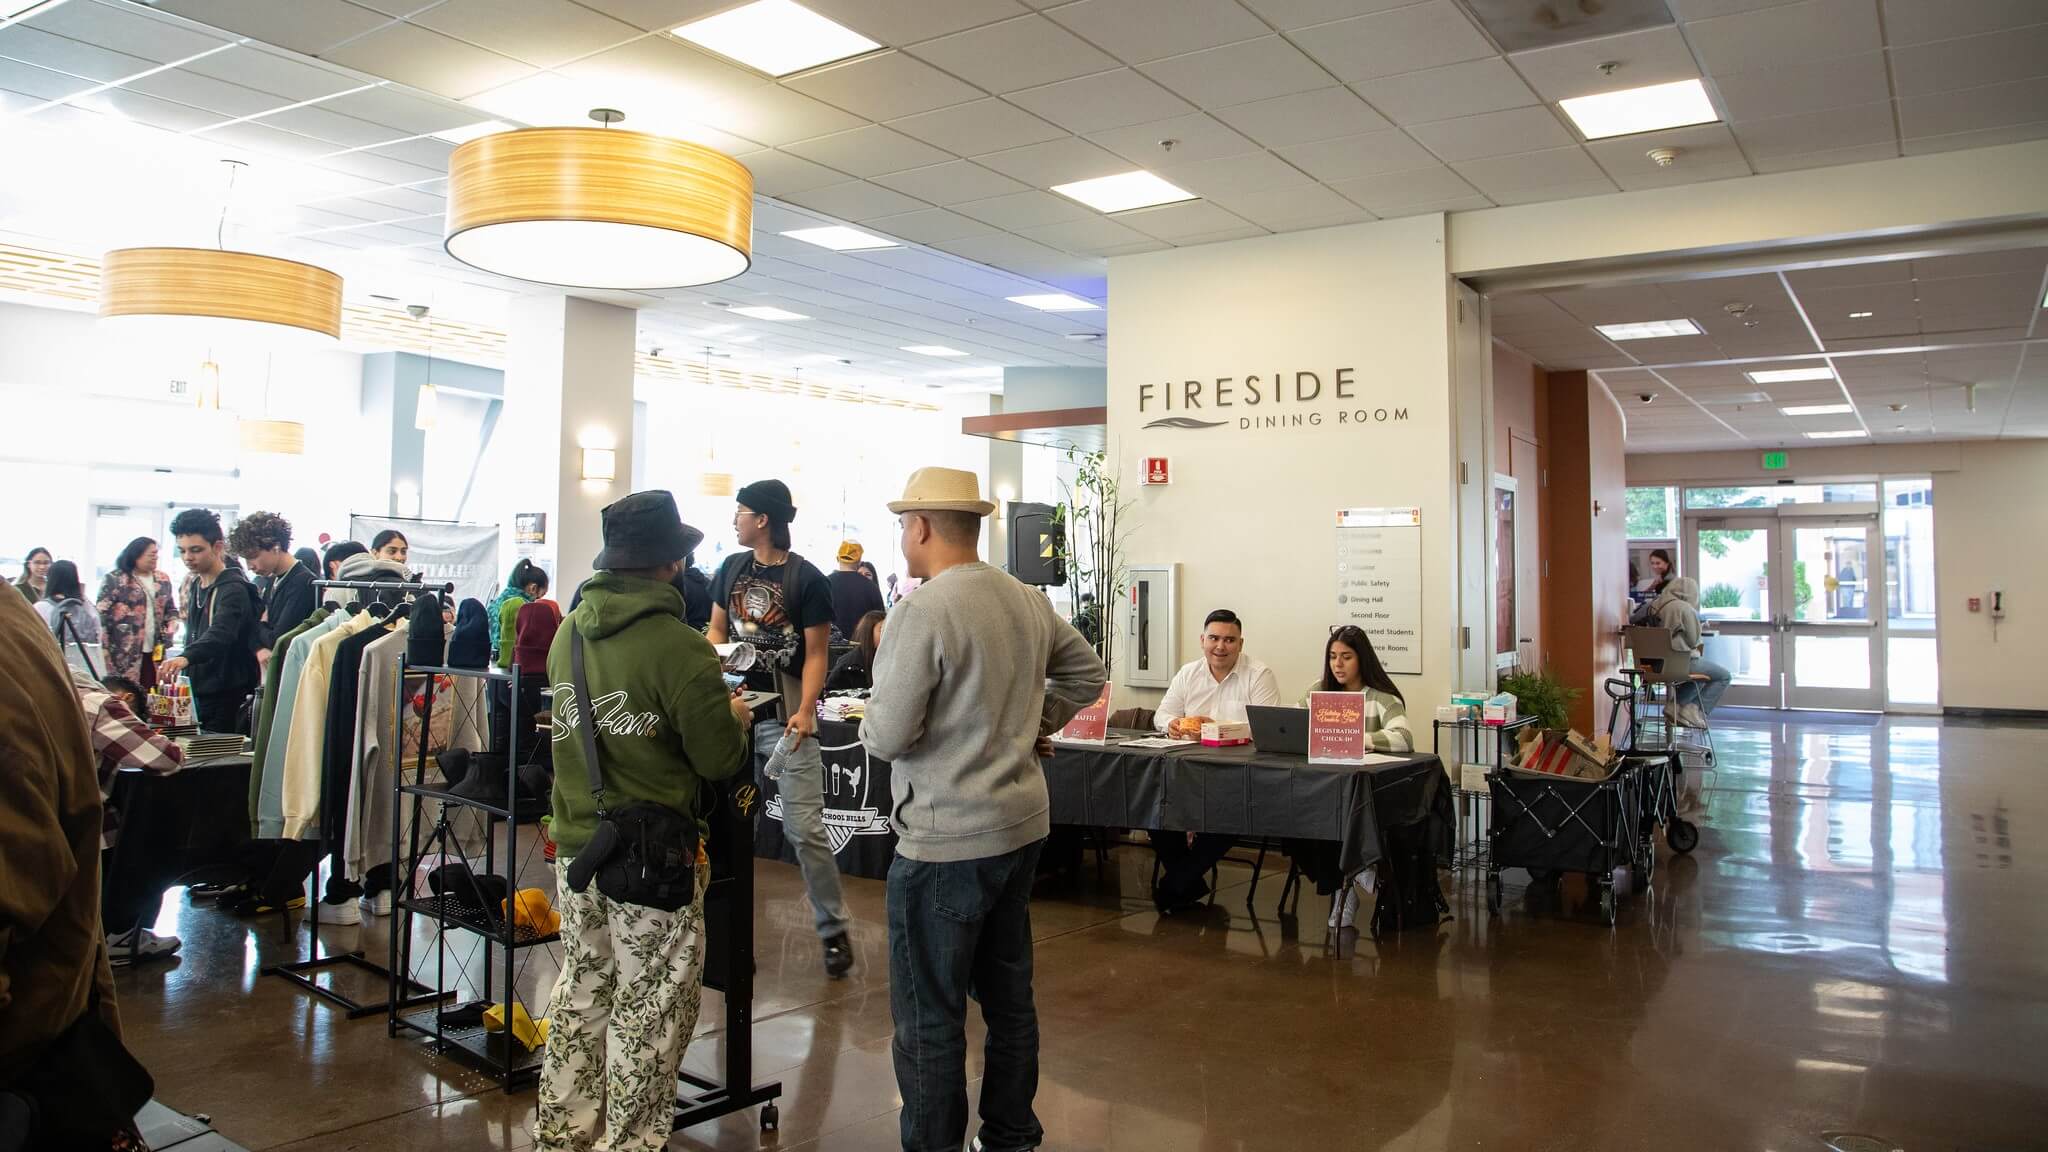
(972, 673)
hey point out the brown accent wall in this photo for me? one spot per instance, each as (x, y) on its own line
(1585, 599)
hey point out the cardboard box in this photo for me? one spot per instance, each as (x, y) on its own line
(1226, 734)
(1498, 710)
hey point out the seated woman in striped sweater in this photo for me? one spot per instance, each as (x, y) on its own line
(1350, 665)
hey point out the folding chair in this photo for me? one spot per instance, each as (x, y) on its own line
(1662, 667)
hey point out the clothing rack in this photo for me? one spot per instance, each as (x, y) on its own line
(407, 993)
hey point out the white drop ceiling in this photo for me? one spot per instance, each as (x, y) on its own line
(1959, 342)
(1285, 115)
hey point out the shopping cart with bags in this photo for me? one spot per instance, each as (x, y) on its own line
(1552, 824)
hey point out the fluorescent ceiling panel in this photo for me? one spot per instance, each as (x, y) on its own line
(1122, 193)
(764, 312)
(1818, 410)
(1861, 315)
(840, 238)
(1055, 302)
(775, 36)
(1791, 375)
(466, 134)
(933, 350)
(1648, 329)
(1846, 434)
(1647, 109)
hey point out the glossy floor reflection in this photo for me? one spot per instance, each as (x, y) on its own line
(1856, 946)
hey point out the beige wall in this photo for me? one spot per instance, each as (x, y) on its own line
(1250, 515)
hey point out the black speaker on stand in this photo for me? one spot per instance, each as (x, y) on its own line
(1034, 545)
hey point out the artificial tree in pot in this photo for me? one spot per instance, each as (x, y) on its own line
(1093, 532)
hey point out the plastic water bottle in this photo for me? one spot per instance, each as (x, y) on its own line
(783, 747)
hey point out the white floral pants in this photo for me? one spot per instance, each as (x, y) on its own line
(622, 1012)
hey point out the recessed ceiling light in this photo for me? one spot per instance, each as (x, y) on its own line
(840, 238)
(764, 312)
(1791, 375)
(1056, 302)
(1861, 315)
(466, 134)
(1817, 410)
(933, 350)
(775, 36)
(1845, 434)
(1647, 109)
(1123, 192)
(1648, 329)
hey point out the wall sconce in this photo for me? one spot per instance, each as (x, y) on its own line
(600, 464)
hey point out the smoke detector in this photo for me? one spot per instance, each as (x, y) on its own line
(1896, 407)
(1664, 157)
(417, 311)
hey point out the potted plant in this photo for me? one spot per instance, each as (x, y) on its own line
(1091, 538)
(1542, 695)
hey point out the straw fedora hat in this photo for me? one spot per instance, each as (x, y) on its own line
(942, 490)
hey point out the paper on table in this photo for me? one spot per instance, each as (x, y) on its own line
(1156, 742)
(1382, 758)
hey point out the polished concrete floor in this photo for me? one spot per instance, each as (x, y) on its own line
(1858, 946)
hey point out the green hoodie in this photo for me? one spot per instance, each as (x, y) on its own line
(664, 716)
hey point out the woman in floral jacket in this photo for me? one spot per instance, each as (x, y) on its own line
(137, 612)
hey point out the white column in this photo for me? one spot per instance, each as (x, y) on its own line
(568, 387)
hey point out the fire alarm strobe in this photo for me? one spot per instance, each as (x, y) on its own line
(1156, 471)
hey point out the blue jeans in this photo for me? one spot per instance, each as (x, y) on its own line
(1706, 695)
(955, 930)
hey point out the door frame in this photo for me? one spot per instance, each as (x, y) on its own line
(1872, 628)
(1763, 520)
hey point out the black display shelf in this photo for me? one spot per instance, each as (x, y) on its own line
(525, 810)
(449, 910)
(498, 1053)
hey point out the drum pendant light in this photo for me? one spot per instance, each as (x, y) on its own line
(599, 208)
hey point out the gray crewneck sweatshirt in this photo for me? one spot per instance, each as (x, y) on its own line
(974, 667)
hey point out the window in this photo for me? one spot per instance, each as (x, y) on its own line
(1772, 495)
(1652, 513)
(1909, 553)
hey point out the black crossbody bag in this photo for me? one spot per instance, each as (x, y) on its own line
(644, 853)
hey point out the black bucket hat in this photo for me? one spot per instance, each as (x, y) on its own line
(645, 530)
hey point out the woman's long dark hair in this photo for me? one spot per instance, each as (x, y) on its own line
(62, 582)
(864, 636)
(386, 537)
(132, 555)
(1375, 676)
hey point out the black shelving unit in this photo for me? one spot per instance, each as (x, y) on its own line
(497, 1054)
(1473, 805)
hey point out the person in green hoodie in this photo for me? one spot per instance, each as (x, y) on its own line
(665, 724)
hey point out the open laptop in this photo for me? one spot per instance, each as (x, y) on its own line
(1278, 730)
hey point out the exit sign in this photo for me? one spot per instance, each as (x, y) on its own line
(1774, 460)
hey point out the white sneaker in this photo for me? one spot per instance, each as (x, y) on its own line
(378, 905)
(1691, 716)
(1344, 912)
(121, 947)
(347, 912)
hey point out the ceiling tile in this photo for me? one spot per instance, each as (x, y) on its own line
(1140, 31)
(1393, 190)
(1304, 117)
(858, 200)
(1817, 87)
(1351, 157)
(128, 29)
(1449, 92)
(271, 141)
(780, 174)
(929, 226)
(39, 82)
(1834, 129)
(1971, 61)
(1195, 137)
(1549, 169)
(1102, 101)
(1056, 162)
(1278, 207)
(1705, 152)
(543, 33)
(1239, 73)
(869, 151)
(954, 182)
(1920, 21)
(1649, 56)
(427, 60)
(1090, 236)
(63, 54)
(251, 66)
(1231, 175)
(775, 115)
(884, 86)
(219, 96)
(1026, 257)
(900, 22)
(1983, 138)
(1472, 203)
(655, 15)
(310, 27)
(1427, 35)
(653, 71)
(1027, 209)
(1178, 222)
(149, 110)
(1021, 53)
(1975, 109)
(1827, 158)
(1494, 133)
(322, 124)
(1788, 36)
(979, 126)
(2028, 260)
(403, 111)
(1290, 14)
(372, 166)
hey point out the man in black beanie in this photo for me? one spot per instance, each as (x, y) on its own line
(775, 600)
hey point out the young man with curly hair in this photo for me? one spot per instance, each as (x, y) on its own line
(264, 541)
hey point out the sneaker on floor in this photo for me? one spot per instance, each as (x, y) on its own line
(121, 947)
(978, 1146)
(1691, 716)
(838, 956)
(377, 904)
(256, 905)
(344, 911)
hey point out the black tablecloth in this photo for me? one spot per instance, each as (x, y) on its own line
(179, 827)
(857, 803)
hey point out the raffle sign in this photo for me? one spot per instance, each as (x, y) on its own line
(1379, 581)
(1336, 728)
(1091, 724)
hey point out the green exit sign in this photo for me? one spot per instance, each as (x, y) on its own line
(1774, 460)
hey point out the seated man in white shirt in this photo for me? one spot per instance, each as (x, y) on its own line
(1215, 688)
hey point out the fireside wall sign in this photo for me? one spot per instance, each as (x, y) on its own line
(1304, 399)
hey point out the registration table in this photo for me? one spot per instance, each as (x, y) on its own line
(1234, 791)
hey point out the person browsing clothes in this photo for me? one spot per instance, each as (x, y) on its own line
(775, 600)
(263, 540)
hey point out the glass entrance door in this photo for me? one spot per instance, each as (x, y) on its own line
(1731, 557)
(1829, 622)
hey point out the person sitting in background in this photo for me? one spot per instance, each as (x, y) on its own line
(34, 570)
(1677, 608)
(262, 539)
(1351, 665)
(855, 671)
(220, 626)
(852, 596)
(391, 544)
(137, 612)
(127, 692)
(63, 604)
(122, 739)
(1660, 572)
(1217, 687)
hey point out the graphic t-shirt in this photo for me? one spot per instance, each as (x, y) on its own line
(752, 594)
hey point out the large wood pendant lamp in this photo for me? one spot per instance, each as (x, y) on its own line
(599, 208)
(214, 285)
